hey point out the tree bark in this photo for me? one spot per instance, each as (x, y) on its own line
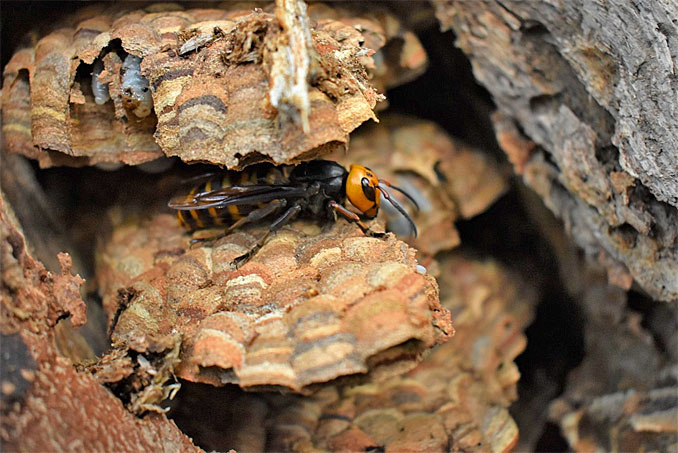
(587, 95)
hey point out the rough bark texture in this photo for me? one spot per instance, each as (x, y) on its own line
(592, 85)
(46, 404)
(622, 396)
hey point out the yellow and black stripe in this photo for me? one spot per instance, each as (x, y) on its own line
(195, 219)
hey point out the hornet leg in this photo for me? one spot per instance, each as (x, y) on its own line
(352, 217)
(278, 223)
(259, 214)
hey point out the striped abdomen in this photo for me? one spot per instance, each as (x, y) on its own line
(195, 219)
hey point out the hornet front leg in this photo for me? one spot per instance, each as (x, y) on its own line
(352, 217)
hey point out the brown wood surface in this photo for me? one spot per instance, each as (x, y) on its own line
(587, 93)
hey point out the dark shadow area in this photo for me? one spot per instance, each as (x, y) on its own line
(555, 339)
(82, 207)
(551, 440)
(448, 94)
(18, 18)
(82, 201)
(660, 319)
(221, 418)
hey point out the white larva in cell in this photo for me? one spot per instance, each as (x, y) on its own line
(100, 90)
(135, 89)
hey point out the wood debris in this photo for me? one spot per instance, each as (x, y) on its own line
(392, 53)
(623, 421)
(47, 404)
(622, 396)
(291, 63)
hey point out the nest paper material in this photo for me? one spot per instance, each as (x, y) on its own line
(310, 306)
(457, 399)
(225, 86)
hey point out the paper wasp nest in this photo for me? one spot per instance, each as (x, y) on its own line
(309, 307)
(226, 86)
(456, 399)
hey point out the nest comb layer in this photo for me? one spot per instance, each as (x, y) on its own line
(455, 400)
(308, 307)
(222, 86)
(448, 179)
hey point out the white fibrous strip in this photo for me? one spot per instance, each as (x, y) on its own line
(100, 90)
(135, 88)
(291, 62)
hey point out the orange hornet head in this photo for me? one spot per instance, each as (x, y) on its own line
(362, 190)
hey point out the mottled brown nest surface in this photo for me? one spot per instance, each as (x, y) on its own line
(456, 399)
(311, 305)
(224, 83)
